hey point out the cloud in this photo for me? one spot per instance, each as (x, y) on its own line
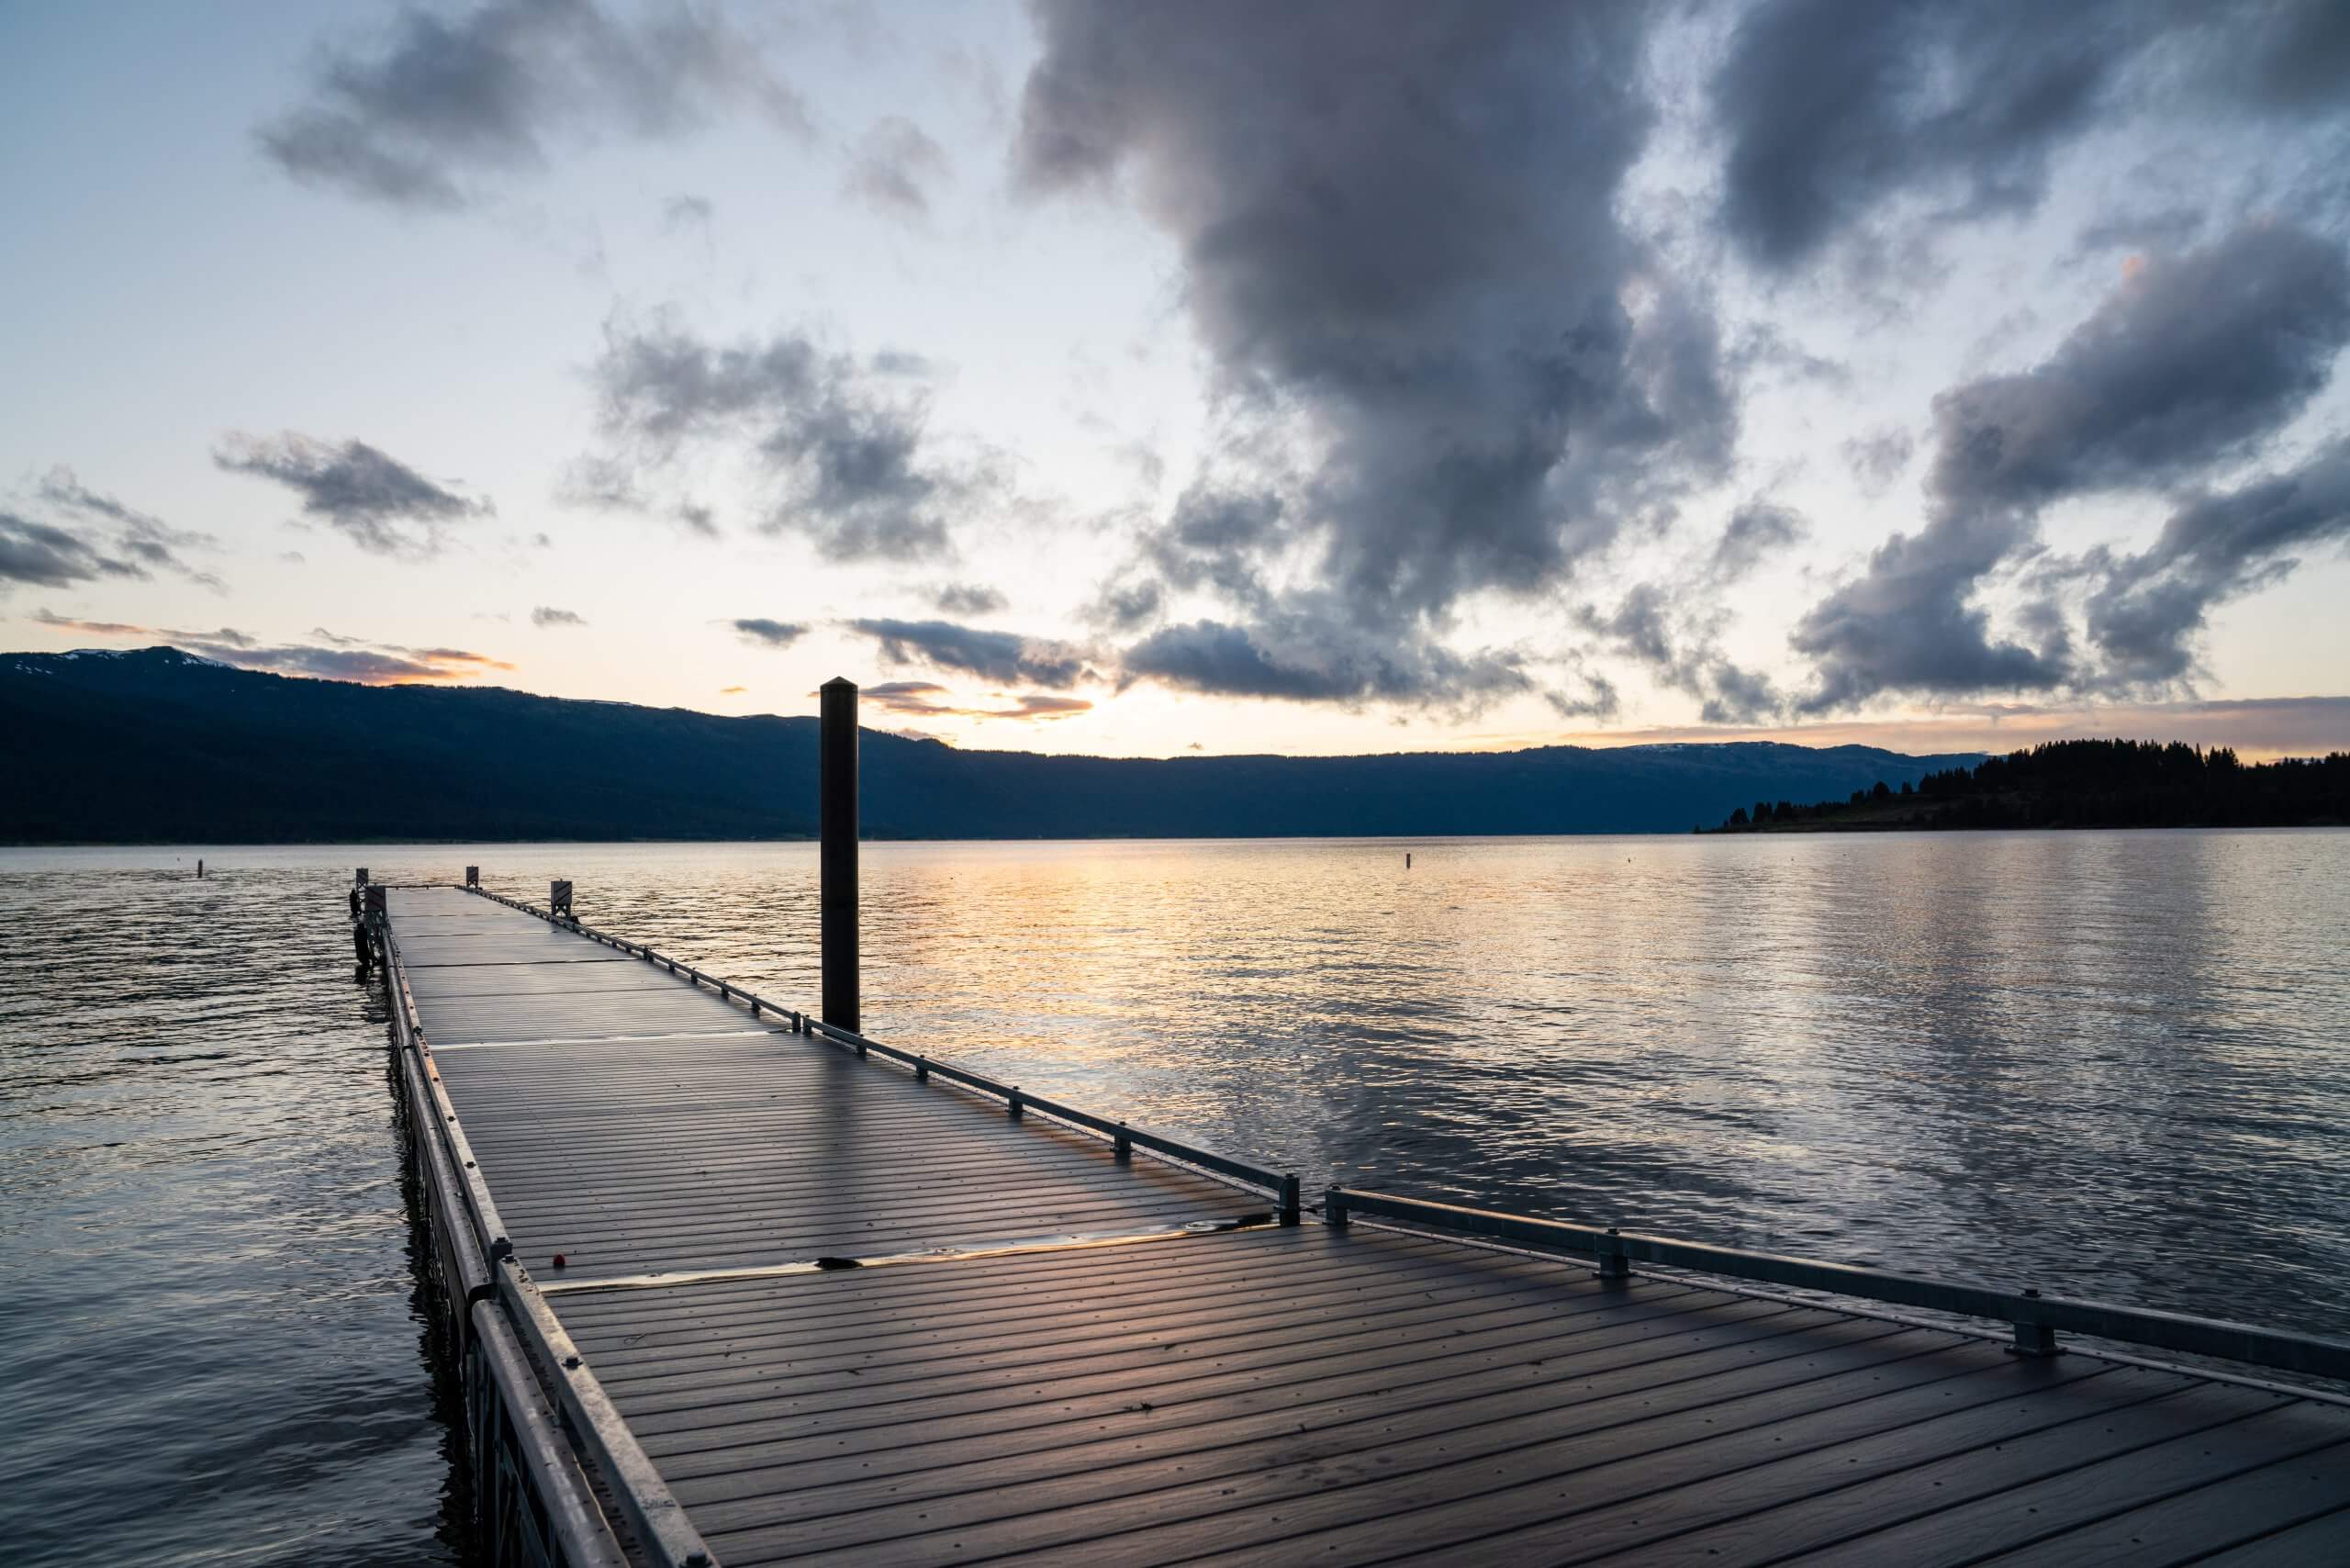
(111, 539)
(682, 213)
(381, 504)
(226, 636)
(2148, 609)
(2189, 362)
(547, 615)
(967, 598)
(367, 667)
(893, 168)
(1834, 112)
(1879, 458)
(760, 632)
(842, 440)
(732, 690)
(923, 698)
(1831, 108)
(1005, 656)
(49, 556)
(1404, 249)
(1755, 529)
(2192, 363)
(426, 112)
(1291, 656)
(340, 658)
(1678, 641)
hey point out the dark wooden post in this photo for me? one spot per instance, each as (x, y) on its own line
(836, 856)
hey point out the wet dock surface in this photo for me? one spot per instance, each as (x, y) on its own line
(1051, 1353)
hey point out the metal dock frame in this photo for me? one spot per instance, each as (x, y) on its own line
(532, 1408)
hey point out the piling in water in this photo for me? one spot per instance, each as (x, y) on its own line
(836, 856)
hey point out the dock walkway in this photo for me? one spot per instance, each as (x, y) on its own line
(1052, 1352)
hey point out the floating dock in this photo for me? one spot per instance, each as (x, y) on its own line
(733, 1286)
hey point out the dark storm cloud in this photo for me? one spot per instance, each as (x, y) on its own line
(2192, 363)
(378, 503)
(760, 630)
(416, 116)
(843, 440)
(1831, 107)
(1003, 656)
(894, 168)
(1832, 110)
(1401, 239)
(967, 598)
(2148, 611)
(547, 615)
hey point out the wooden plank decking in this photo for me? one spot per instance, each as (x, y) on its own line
(1040, 1361)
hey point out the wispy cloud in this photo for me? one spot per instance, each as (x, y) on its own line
(328, 656)
(379, 503)
(967, 599)
(441, 107)
(840, 442)
(925, 699)
(1005, 656)
(100, 537)
(547, 615)
(760, 632)
(895, 168)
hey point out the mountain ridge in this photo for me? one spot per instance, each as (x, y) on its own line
(157, 745)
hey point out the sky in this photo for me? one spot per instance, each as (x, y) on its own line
(1224, 377)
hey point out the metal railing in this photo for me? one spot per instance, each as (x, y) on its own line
(2035, 1319)
(507, 1304)
(1280, 1186)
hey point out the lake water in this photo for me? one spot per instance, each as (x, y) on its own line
(2106, 1064)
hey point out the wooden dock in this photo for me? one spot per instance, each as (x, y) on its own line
(824, 1300)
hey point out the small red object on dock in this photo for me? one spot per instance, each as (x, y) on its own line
(558, 1259)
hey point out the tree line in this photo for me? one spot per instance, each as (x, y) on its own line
(2087, 783)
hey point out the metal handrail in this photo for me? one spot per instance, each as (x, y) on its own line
(667, 1537)
(665, 1534)
(2037, 1319)
(1282, 1186)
